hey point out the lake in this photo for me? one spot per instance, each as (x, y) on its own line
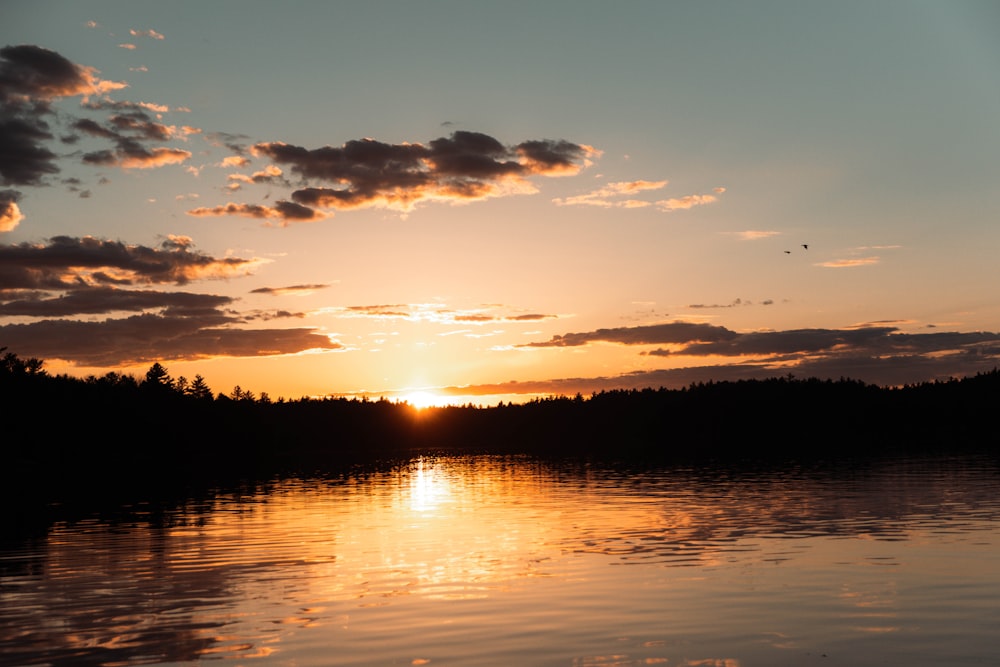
(481, 560)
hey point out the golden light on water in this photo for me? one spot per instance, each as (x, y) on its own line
(428, 487)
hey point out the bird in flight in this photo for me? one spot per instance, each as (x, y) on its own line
(806, 246)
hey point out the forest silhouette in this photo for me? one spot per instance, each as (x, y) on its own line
(68, 438)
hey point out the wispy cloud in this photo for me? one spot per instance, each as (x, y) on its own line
(146, 33)
(610, 195)
(622, 195)
(686, 202)
(301, 290)
(736, 303)
(756, 234)
(438, 313)
(849, 263)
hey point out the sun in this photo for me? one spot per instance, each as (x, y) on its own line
(423, 399)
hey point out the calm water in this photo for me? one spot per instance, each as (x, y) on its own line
(507, 561)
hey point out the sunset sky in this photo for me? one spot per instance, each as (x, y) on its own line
(500, 200)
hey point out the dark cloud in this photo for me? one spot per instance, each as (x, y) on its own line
(877, 355)
(391, 310)
(696, 339)
(131, 154)
(481, 318)
(67, 263)
(30, 77)
(146, 338)
(670, 378)
(267, 315)
(868, 340)
(672, 332)
(291, 289)
(237, 143)
(283, 211)
(104, 300)
(553, 157)
(24, 159)
(366, 172)
(787, 342)
(734, 304)
(70, 277)
(36, 72)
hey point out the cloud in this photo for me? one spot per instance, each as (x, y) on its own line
(38, 73)
(145, 33)
(284, 211)
(796, 341)
(880, 354)
(149, 337)
(130, 153)
(71, 277)
(609, 196)
(736, 303)
(849, 263)
(291, 289)
(464, 166)
(686, 202)
(672, 332)
(10, 214)
(270, 174)
(605, 197)
(877, 355)
(438, 313)
(104, 300)
(756, 234)
(31, 77)
(68, 262)
(234, 142)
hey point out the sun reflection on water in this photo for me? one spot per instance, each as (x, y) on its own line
(428, 487)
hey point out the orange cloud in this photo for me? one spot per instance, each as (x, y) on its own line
(158, 157)
(10, 214)
(284, 211)
(603, 197)
(755, 234)
(849, 263)
(686, 202)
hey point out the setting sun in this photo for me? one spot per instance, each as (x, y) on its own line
(424, 399)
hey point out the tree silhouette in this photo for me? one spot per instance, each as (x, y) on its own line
(157, 378)
(199, 389)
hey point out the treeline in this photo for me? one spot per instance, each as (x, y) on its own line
(80, 435)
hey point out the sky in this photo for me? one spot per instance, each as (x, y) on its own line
(472, 202)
